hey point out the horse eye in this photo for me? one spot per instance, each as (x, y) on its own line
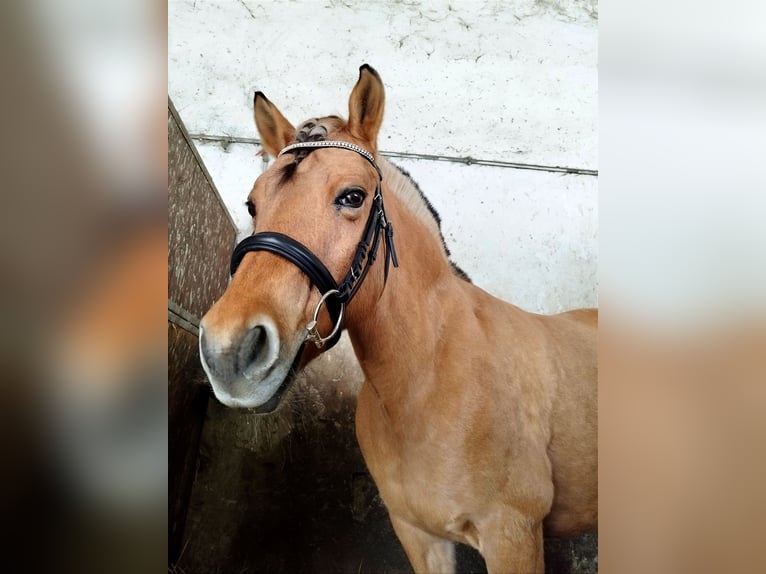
(353, 198)
(250, 208)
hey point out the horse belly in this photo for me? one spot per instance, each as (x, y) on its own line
(572, 513)
(575, 506)
(573, 452)
(573, 446)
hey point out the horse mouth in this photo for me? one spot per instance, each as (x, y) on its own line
(276, 399)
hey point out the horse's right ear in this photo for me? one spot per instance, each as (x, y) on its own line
(275, 131)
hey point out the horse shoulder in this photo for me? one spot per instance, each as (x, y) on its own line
(380, 447)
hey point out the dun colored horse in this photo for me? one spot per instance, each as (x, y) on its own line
(477, 420)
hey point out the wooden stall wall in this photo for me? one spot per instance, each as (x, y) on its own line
(200, 238)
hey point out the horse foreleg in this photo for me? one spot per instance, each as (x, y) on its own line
(427, 553)
(514, 546)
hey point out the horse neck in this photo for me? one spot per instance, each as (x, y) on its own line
(394, 325)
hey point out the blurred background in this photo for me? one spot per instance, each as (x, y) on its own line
(682, 387)
(83, 223)
(681, 130)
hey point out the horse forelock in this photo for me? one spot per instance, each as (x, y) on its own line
(317, 129)
(313, 130)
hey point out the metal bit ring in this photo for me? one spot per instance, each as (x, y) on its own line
(312, 332)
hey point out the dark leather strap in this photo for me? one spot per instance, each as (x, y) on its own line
(300, 256)
(288, 248)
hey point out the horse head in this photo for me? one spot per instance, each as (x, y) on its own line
(309, 209)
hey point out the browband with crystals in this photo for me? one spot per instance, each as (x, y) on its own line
(334, 143)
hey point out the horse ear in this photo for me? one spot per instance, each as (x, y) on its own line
(275, 131)
(365, 106)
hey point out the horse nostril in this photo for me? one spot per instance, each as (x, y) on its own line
(249, 354)
(254, 348)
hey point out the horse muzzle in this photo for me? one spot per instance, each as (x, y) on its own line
(251, 369)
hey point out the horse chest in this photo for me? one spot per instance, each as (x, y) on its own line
(416, 481)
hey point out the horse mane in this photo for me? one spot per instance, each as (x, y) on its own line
(400, 182)
(397, 179)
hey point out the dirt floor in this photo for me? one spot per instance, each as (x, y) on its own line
(290, 492)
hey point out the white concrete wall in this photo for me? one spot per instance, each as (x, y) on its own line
(509, 81)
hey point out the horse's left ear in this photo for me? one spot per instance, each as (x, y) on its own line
(365, 106)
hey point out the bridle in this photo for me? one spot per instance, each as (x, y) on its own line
(334, 295)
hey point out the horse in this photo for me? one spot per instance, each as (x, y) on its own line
(477, 420)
